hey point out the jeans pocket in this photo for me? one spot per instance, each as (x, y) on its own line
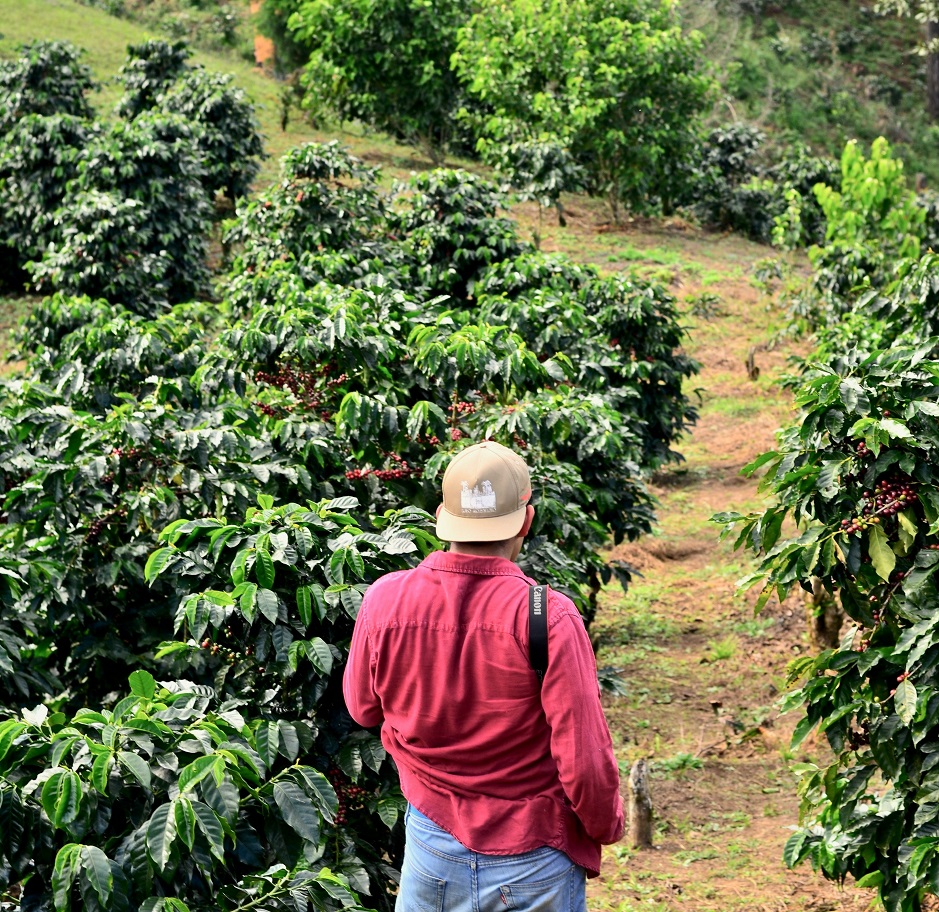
(554, 894)
(419, 892)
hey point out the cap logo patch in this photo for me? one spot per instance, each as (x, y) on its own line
(480, 498)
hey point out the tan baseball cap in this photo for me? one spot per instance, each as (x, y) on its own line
(485, 491)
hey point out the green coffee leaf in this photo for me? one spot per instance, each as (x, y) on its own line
(264, 568)
(321, 790)
(305, 605)
(67, 863)
(61, 797)
(136, 766)
(882, 556)
(905, 701)
(96, 872)
(142, 684)
(185, 822)
(196, 771)
(248, 601)
(297, 810)
(268, 605)
(210, 825)
(161, 836)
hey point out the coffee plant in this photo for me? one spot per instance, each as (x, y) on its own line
(105, 251)
(48, 78)
(738, 186)
(539, 170)
(172, 800)
(150, 70)
(226, 133)
(154, 160)
(856, 478)
(40, 155)
(265, 613)
(119, 211)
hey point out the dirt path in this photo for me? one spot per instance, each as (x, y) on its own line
(703, 672)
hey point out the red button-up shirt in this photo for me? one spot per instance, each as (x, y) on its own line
(439, 659)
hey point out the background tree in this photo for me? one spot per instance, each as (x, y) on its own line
(617, 82)
(927, 12)
(385, 63)
(290, 52)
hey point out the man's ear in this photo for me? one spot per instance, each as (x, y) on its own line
(439, 508)
(529, 517)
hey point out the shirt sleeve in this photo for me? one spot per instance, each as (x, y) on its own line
(358, 685)
(580, 738)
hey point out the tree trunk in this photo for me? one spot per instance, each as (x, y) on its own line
(640, 807)
(825, 617)
(932, 70)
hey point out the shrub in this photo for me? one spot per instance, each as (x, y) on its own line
(47, 79)
(857, 475)
(169, 801)
(154, 161)
(40, 155)
(226, 131)
(539, 171)
(104, 252)
(737, 188)
(871, 222)
(150, 70)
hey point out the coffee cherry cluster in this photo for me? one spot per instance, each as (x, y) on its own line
(226, 653)
(900, 679)
(351, 797)
(521, 444)
(862, 450)
(305, 385)
(861, 736)
(102, 522)
(889, 497)
(130, 459)
(456, 434)
(463, 408)
(401, 469)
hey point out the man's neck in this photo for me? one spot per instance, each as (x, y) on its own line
(485, 549)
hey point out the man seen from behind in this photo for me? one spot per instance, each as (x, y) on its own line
(511, 782)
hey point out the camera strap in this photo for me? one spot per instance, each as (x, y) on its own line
(538, 629)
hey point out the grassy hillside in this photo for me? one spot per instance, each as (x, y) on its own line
(104, 39)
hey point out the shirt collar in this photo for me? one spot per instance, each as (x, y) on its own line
(473, 563)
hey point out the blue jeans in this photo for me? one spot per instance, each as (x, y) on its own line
(441, 875)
